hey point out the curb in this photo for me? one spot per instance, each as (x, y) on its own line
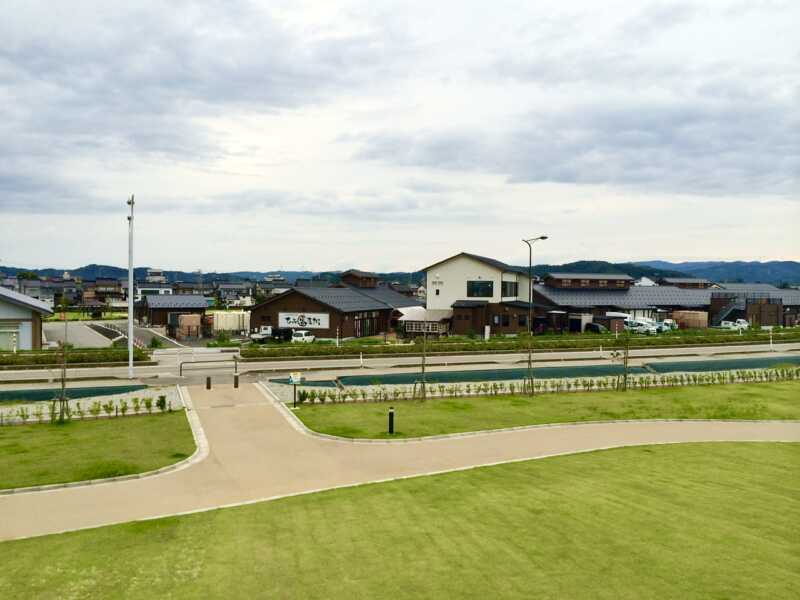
(200, 453)
(298, 425)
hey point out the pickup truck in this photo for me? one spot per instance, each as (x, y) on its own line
(266, 333)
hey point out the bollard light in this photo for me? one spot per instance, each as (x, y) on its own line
(391, 419)
(208, 383)
(235, 382)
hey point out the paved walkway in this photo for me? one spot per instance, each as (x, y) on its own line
(257, 453)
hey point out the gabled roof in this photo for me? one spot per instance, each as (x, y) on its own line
(595, 276)
(177, 301)
(341, 299)
(506, 268)
(685, 280)
(630, 298)
(358, 273)
(388, 296)
(749, 287)
(18, 299)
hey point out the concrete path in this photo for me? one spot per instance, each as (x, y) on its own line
(215, 362)
(257, 453)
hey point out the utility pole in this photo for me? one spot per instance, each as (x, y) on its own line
(62, 400)
(530, 243)
(424, 350)
(130, 289)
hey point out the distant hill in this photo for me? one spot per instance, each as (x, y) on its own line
(774, 272)
(90, 272)
(635, 270)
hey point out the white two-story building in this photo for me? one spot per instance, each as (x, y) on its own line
(480, 291)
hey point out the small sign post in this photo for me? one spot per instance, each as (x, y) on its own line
(295, 379)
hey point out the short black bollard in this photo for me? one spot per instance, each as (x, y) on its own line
(391, 419)
(208, 383)
(235, 381)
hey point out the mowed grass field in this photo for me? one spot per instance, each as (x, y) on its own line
(456, 415)
(675, 521)
(92, 449)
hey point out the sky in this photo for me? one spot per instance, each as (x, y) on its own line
(389, 135)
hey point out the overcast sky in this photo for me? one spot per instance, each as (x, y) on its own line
(389, 135)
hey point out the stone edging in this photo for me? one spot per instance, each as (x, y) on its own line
(200, 453)
(301, 427)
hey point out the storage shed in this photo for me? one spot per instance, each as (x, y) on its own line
(21, 321)
(157, 310)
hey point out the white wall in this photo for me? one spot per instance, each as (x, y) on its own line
(12, 311)
(450, 279)
(19, 319)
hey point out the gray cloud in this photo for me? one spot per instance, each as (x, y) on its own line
(136, 82)
(696, 148)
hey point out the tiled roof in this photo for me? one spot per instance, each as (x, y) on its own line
(631, 298)
(388, 296)
(749, 287)
(469, 303)
(485, 260)
(22, 300)
(561, 275)
(343, 299)
(684, 280)
(177, 301)
(358, 273)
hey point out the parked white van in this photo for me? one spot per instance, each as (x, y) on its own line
(302, 336)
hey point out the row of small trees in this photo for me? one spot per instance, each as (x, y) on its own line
(593, 384)
(49, 412)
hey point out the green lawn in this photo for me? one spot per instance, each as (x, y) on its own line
(680, 521)
(434, 417)
(80, 450)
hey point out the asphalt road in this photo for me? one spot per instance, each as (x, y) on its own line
(200, 362)
(78, 334)
(255, 450)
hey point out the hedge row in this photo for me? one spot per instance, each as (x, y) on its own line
(53, 357)
(567, 342)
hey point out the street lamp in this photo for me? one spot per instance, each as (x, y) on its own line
(530, 242)
(130, 289)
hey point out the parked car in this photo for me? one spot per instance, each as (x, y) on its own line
(595, 328)
(663, 326)
(262, 334)
(302, 336)
(266, 333)
(669, 323)
(644, 327)
(738, 324)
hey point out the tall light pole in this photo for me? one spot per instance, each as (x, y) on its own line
(530, 242)
(130, 289)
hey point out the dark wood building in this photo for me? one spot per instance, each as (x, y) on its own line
(690, 283)
(360, 279)
(327, 312)
(156, 310)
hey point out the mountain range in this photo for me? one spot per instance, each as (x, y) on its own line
(775, 272)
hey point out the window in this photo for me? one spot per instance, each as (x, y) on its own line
(566, 283)
(480, 289)
(620, 283)
(501, 320)
(584, 283)
(509, 288)
(437, 291)
(603, 283)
